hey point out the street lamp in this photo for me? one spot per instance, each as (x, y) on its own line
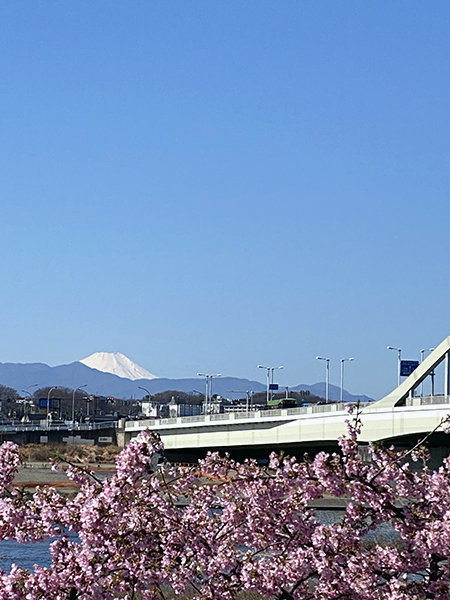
(145, 390)
(342, 375)
(208, 389)
(327, 376)
(149, 396)
(28, 388)
(48, 402)
(73, 401)
(422, 356)
(399, 353)
(249, 395)
(432, 374)
(30, 401)
(270, 371)
(89, 399)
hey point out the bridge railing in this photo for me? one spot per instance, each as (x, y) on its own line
(234, 416)
(62, 427)
(220, 417)
(428, 400)
(247, 415)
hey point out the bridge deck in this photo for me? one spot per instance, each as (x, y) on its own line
(295, 425)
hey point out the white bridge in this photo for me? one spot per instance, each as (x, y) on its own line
(401, 413)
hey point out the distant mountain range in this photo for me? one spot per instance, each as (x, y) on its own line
(103, 380)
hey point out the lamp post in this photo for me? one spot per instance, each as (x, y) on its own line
(432, 374)
(342, 376)
(48, 402)
(268, 382)
(249, 396)
(422, 356)
(148, 396)
(145, 390)
(28, 388)
(30, 401)
(270, 371)
(208, 389)
(210, 384)
(73, 401)
(399, 354)
(88, 406)
(327, 376)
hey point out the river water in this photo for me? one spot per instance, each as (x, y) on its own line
(27, 555)
(24, 555)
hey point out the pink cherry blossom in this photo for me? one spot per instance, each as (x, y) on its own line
(222, 527)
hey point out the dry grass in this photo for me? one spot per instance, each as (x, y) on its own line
(73, 453)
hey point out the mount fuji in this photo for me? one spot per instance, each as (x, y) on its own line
(117, 364)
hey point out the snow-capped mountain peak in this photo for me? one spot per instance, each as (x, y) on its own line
(117, 364)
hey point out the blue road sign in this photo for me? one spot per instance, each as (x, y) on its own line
(407, 367)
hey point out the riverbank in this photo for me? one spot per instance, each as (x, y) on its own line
(36, 469)
(31, 475)
(75, 453)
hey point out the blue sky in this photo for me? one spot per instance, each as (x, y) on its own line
(208, 186)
